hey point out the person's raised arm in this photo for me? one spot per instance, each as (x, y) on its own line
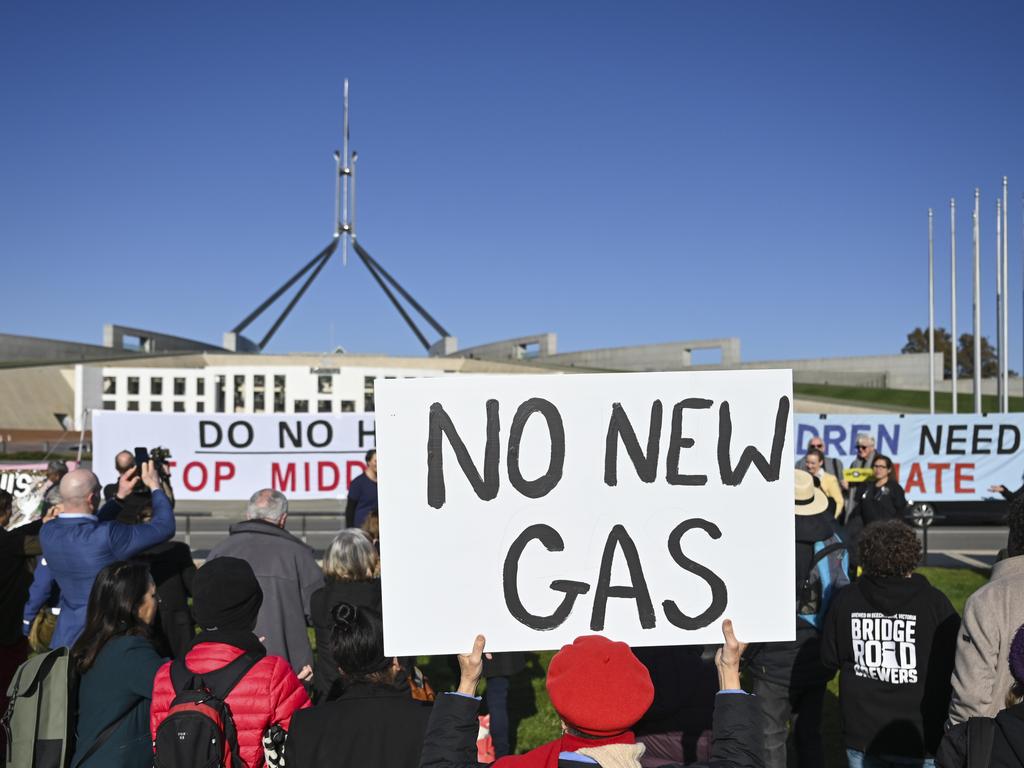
(450, 740)
(129, 540)
(125, 487)
(737, 730)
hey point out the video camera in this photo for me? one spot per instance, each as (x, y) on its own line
(158, 455)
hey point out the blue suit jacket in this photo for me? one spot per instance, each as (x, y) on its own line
(77, 548)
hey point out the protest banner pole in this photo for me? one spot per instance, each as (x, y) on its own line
(976, 236)
(931, 314)
(1006, 303)
(952, 258)
(1000, 346)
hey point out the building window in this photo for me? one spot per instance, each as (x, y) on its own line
(368, 393)
(200, 407)
(156, 386)
(200, 387)
(133, 385)
(323, 406)
(301, 406)
(239, 394)
(219, 395)
(179, 386)
(133, 405)
(259, 381)
(156, 406)
(109, 385)
(348, 406)
(109, 405)
(324, 385)
(179, 406)
(279, 394)
(258, 402)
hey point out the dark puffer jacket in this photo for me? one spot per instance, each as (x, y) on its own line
(269, 693)
(1007, 742)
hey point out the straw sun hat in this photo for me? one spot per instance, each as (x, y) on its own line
(807, 500)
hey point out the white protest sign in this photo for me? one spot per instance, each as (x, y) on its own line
(534, 509)
(231, 456)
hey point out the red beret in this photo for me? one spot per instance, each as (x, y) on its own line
(598, 686)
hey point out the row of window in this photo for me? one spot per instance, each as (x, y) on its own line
(298, 406)
(325, 386)
(156, 386)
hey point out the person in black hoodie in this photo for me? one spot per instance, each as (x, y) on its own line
(892, 636)
(788, 677)
(991, 741)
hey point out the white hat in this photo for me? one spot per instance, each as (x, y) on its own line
(808, 499)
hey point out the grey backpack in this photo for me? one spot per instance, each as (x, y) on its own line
(40, 720)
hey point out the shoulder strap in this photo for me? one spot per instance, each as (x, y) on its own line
(221, 681)
(835, 545)
(105, 734)
(981, 733)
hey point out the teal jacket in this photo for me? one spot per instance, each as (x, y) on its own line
(119, 680)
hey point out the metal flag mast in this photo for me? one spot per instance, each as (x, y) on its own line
(344, 231)
(931, 315)
(952, 294)
(977, 299)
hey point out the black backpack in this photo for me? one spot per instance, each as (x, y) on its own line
(199, 731)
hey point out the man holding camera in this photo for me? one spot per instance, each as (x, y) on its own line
(170, 562)
(81, 541)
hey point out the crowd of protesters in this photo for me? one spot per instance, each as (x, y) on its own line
(151, 640)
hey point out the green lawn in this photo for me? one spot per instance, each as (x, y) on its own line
(909, 400)
(538, 723)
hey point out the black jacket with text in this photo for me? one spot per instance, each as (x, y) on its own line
(893, 640)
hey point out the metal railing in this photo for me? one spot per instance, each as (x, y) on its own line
(302, 515)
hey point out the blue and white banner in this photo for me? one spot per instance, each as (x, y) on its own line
(938, 458)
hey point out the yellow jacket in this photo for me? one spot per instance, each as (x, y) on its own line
(830, 487)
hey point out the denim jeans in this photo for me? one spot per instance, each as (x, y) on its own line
(783, 705)
(857, 759)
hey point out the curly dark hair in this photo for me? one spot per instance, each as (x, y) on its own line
(1015, 519)
(889, 548)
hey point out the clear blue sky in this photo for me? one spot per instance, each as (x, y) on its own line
(620, 173)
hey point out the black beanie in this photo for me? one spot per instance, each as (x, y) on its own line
(226, 595)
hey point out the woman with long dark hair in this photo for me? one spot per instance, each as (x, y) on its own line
(375, 720)
(117, 663)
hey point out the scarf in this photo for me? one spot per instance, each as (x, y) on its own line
(546, 755)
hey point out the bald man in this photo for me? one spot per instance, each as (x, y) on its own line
(80, 541)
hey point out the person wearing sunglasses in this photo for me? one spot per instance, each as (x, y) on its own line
(830, 464)
(884, 498)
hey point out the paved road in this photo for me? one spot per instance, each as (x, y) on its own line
(960, 546)
(948, 546)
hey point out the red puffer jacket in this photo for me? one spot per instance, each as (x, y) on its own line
(269, 693)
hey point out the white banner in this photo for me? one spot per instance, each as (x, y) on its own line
(231, 456)
(533, 509)
(939, 458)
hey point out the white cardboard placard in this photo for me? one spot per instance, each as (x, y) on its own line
(512, 540)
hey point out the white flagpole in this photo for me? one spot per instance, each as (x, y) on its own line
(1006, 303)
(931, 314)
(1000, 346)
(977, 300)
(952, 259)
